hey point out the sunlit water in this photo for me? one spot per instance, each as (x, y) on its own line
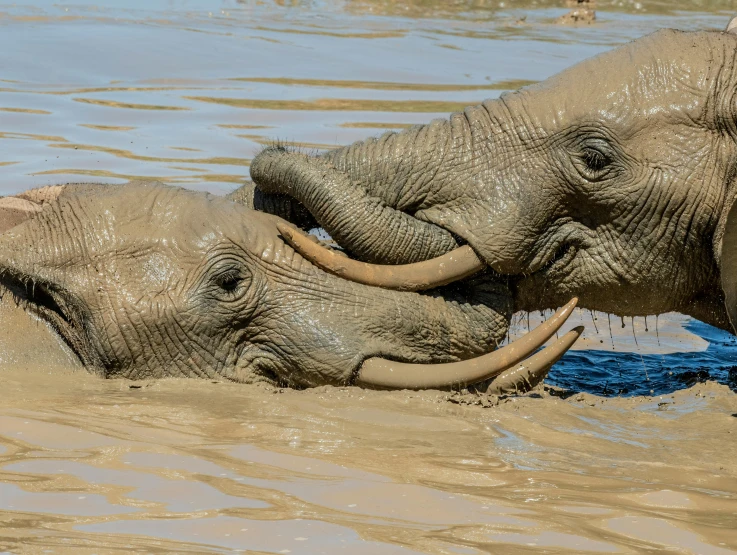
(187, 92)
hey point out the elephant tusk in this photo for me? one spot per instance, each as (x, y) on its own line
(380, 373)
(528, 373)
(453, 266)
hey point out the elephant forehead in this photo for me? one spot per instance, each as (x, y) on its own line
(668, 75)
(158, 215)
(150, 230)
(134, 218)
(151, 271)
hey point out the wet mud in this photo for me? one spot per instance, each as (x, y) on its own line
(190, 466)
(630, 446)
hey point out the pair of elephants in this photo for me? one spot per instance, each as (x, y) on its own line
(612, 182)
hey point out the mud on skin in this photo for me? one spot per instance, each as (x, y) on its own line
(612, 181)
(144, 280)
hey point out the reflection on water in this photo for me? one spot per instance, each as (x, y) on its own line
(193, 466)
(124, 90)
(187, 91)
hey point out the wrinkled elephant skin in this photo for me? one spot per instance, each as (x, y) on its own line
(144, 280)
(611, 181)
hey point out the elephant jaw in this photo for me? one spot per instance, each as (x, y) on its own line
(56, 309)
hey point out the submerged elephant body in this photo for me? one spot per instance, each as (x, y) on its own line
(611, 181)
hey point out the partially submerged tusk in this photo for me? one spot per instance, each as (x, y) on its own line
(453, 266)
(527, 374)
(385, 374)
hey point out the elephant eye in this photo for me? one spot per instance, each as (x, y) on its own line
(595, 160)
(229, 281)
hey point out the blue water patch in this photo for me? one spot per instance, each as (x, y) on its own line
(613, 373)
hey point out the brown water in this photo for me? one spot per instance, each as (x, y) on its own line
(187, 92)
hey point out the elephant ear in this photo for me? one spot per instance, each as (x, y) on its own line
(17, 209)
(729, 244)
(729, 266)
(732, 26)
(14, 211)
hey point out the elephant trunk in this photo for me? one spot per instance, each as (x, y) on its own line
(279, 205)
(366, 194)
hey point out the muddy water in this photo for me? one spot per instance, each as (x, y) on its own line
(187, 92)
(90, 466)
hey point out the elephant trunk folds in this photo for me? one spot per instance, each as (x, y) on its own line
(365, 195)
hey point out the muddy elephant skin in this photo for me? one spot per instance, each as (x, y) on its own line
(144, 280)
(610, 181)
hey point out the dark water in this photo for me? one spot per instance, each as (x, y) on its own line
(632, 373)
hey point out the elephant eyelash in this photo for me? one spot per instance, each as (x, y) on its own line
(228, 281)
(595, 160)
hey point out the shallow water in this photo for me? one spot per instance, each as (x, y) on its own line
(187, 92)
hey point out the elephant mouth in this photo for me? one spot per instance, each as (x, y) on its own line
(56, 309)
(562, 256)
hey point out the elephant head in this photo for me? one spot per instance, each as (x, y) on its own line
(145, 280)
(610, 181)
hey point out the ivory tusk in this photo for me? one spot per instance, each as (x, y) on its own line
(453, 266)
(528, 373)
(385, 374)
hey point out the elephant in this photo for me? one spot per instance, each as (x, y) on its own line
(145, 280)
(612, 181)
